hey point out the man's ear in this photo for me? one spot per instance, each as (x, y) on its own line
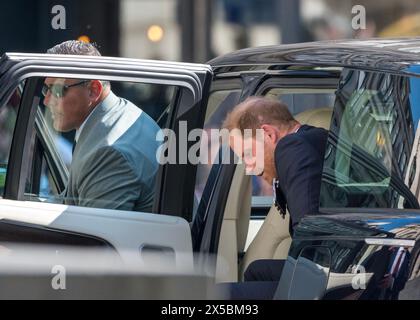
(271, 132)
(95, 90)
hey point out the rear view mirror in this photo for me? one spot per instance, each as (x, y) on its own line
(310, 274)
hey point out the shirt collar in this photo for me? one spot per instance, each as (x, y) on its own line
(297, 129)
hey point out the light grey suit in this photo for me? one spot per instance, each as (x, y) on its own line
(114, 162)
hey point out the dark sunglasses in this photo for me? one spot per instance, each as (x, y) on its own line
(59, 90)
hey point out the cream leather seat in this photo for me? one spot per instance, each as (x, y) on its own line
(320, 117)
(235, 224)
(273, 240)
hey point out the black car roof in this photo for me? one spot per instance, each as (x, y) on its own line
(393, 55)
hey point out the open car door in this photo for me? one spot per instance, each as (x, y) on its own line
(35, 170)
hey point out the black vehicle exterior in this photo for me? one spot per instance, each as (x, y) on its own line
(365, 243)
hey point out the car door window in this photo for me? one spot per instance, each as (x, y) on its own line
(114, 162)
(372, 146)
(220, 102)
(8, 115)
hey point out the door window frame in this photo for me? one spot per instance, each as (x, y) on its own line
(187, 77)
(317, 80)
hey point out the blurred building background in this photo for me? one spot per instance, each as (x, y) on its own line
(197, 30)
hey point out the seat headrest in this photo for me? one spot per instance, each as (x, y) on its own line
(320, 117)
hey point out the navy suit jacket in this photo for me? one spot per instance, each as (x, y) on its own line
(299, 160)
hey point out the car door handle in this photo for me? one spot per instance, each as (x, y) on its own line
(157, 254)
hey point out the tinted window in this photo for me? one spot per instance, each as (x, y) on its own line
(219, 104)
(8, 115)
(371, 152)
(110, 161)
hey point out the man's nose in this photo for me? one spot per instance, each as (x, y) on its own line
(47, 100)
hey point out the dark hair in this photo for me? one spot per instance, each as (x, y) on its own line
(256, 111)
(75, 47)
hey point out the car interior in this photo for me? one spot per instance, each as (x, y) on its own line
(272, 241)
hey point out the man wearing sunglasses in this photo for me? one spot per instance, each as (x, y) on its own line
(114, 154)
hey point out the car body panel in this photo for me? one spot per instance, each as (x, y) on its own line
(346, 234)
(124, 231)
(352, 235)
(386, 55)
